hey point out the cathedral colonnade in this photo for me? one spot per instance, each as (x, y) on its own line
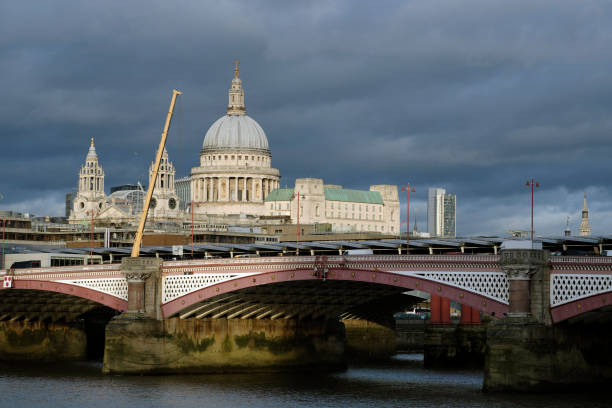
(232, 188)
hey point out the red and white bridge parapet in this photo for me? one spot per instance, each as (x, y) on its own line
(579, 285)
(476, 280)
(104, 284)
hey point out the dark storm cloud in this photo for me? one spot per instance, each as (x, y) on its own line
(473, 96)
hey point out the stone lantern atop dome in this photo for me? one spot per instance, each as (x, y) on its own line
(235, 132)
(236, 95)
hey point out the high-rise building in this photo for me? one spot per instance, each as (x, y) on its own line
(450, 210)
(435, 211)
(441, 213)
(70, 202)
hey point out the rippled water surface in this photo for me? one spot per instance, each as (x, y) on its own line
(403, 382)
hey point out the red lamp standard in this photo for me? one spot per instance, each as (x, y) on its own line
(3, 228)
(408, 189)
(297, 235)
(533, 184)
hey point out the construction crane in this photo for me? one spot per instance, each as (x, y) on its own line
(160, 150)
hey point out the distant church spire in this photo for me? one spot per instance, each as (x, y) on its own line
(585, 228)
(415, 229)
(568, 231)
(236, 94)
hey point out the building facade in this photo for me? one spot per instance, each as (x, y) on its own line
(235, 184)
(374, 210)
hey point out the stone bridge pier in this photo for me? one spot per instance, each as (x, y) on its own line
(142, 341)
(526, 352)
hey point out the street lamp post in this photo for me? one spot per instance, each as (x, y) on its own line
(533, 184)
(297, 236)
(407, 188)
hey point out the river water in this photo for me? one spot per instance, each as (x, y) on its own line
(402, 382)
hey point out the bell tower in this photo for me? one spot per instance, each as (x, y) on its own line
(165, 201)
(90, 195)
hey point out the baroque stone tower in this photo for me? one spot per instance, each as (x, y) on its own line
(90, 196)
(585, 228)
(165, 201)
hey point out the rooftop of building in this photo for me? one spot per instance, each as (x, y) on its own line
(331, 194)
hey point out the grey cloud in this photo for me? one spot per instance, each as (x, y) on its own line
(474, 96)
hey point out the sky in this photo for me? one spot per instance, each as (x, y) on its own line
(475, 97)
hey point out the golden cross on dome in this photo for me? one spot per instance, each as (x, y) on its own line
(92, 141)
(236, 68)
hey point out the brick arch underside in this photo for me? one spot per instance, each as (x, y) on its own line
(479, 302)
(580, 306)
(101, 298)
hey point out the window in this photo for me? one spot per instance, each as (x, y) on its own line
(226, 157)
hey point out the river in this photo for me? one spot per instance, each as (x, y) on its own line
(402, 382)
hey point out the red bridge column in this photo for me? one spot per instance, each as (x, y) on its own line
(434, 305)
(439, 310)
(469, 315)
(475, 316)
(445, 310)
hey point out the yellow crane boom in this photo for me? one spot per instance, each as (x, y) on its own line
(160, 150)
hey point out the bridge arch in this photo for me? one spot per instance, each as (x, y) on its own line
(376, 277)
(101, 298)
(581, 306)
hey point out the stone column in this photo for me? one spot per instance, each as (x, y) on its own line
(204, 190)
(235, 188)
(244, 188)
(144, 286)
(520, 265)
(211, 196)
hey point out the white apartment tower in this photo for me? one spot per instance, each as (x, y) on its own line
(441, 213)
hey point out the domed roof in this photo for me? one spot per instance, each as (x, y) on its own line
(235, 133)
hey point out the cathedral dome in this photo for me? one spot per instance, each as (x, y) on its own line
(235, 133)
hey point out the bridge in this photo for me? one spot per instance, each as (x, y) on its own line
(519, 286)
(301, 287)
